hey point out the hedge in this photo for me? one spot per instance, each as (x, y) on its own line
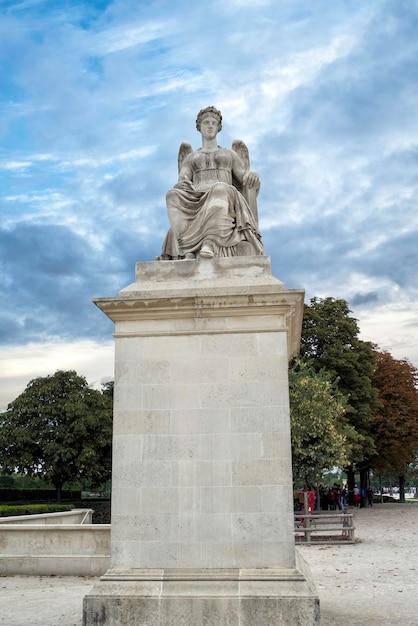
(32, 509)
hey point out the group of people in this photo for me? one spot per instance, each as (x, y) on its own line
(333, 498)
(337, 497)
(361, 496)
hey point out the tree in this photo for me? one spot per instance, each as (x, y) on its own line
(395, 424)
(330, 342)
(58, 429)
(321, 437)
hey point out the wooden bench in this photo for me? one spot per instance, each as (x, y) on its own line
(332, 527)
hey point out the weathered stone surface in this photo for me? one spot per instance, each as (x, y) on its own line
(202, 477)
(39, 547)
(217, 597)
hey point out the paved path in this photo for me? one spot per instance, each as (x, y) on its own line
(371, 583)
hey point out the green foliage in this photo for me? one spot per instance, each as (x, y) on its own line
(58, 429)
(7, 481)
(32, 509)
(330, 343)
(23, 481)
(381, 401)
(321, 436)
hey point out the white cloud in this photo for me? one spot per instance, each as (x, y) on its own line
(302, 68)
(15, 165)
(86, 161)
(392, 326)
(98, 99)
(123, 37)
(20, 364)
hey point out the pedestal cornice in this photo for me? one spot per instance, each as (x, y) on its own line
(227, 289)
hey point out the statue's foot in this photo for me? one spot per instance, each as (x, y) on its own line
(190, 255)
(206, 251)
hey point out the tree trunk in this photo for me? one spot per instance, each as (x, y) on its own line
(318, 499)
(364, 474)
(58, 490)
(401, 488)
(350, 484)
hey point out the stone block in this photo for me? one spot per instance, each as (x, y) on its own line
(200, 421)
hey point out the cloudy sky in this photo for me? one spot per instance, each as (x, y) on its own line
(96, 97)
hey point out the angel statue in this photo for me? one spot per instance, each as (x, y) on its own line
(213, 207)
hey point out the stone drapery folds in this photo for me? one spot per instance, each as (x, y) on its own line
(212, 208)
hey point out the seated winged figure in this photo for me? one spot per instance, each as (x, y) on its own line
(212, 208)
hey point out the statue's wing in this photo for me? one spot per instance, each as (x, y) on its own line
(184, 150)
(250, 194)
(241, 149)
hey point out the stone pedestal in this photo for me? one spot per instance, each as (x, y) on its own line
(202, 505)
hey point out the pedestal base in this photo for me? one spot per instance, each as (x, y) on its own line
(225, 597)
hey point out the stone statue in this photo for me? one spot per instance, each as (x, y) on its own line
(213, 207)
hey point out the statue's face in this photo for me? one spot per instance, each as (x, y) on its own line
(209, 126)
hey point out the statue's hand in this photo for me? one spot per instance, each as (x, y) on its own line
(184, 184)
(251, 180)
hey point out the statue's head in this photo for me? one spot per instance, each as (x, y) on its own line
(209, 111)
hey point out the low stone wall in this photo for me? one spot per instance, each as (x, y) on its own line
(44, 548)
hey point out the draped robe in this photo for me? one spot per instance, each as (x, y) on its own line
(211, 210)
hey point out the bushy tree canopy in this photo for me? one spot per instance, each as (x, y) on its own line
(321, 436)
(395, 424)
(330, 343)
(379, 427)
(59, 429)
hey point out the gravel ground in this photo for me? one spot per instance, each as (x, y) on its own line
(371, 583)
